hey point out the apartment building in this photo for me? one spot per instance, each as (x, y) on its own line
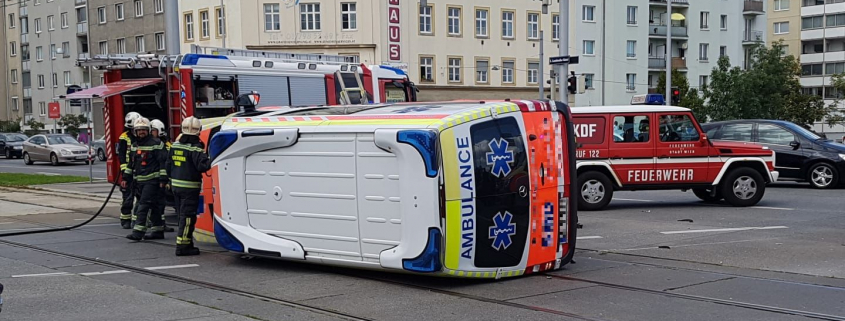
(784, 21)
(11, 91)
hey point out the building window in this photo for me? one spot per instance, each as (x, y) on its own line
(454, 69)
(24, 55)
(118, 12)
(426, 69)
(811, 70)
(784, 50)
(11, 21)
(101, 15)
(812, 22)
(482, 71)
(632, 15)
(507, 24)
(220, 16)
(24, 25)
(349, 15)
(81, 15)
(42, 108)
(121, 45)
(533, 26)
(702, 81)
(53, 51)
(63, 18)
(705, 20)
(836, 20)
(723, 51)
(309, 14)
(702, 51)
(588, 80)
(50, 25)
(14, 76)
(833, 68)
(507, 71)
(13, 49)
(55, 80)
(589, 13)
(189, 26)
(481, 16)
(40, 81)
(66, 49)
(454, 20)
(15, 103)
(631, 82)
(724, 22)
(37, 25)
(205, 27)
(781, 27)
(271, 17)
(160, 41)
(39, 53)
(67, 78)
(104, 47)
(533, 72)
(632, 49)
(159, 6)
(139, 8)
(139, 43)
(781, 5)
(555, 27)
(589, 47)
(425, 20)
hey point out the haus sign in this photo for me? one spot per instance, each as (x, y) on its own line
(394, 49)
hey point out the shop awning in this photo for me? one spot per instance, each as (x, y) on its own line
(115, 88)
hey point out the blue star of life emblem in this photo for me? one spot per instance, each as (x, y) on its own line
(499, 157)
(502, 230)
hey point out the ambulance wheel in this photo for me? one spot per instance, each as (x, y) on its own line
(743, 187)
(596, 191)
(704, 195)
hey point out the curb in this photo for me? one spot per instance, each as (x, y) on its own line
(65, 193)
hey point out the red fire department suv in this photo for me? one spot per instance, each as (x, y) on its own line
(647, 147)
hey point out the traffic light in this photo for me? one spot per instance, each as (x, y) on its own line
(572, 84)
(676, 96)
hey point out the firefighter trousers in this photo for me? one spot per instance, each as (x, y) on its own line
(126, 207)
(187, 203)
(160, 204)
(148, 196)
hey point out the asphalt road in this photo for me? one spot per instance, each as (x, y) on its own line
(655, 255)
(71, 169)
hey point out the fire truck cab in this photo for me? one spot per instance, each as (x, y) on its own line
(647, 147)
(205, 83)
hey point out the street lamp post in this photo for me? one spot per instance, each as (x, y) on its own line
(668, 97)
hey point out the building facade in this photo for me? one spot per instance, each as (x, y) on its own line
(784, 24)
(11, 89)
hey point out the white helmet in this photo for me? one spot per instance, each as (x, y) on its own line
(191, 126)
(141, 123)
(157, 125)
(130, 119)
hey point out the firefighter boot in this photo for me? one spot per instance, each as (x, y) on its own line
(155, 236)
(186, 250)
(136, 235)
(126, 224)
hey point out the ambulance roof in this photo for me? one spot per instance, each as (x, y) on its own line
(627, 109)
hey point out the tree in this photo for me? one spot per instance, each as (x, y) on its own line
(723, 94)
(10, 126)
(35, 127)
(689, 96)
(71, 123)
(836, 115)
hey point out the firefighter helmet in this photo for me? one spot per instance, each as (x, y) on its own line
(191, 126)
(141, 123)
(157, 125)
(130, 119)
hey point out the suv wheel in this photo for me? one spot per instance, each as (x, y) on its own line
(596, 191)
(101, 155)
(743, 187)
(705, 194)
(26, 159)
(822, 176)
(54, 159)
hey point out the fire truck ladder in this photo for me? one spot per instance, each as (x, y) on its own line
(174, 92)
(277, 56)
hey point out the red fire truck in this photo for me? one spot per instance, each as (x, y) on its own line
(205, 83)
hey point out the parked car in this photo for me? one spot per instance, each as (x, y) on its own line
(800, 154)
(11, 144)
(99, 147)
(54, 148)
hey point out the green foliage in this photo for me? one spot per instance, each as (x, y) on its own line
(837, 115)
(71, 123)
(690, 97)
(10, 126)
(35, 127)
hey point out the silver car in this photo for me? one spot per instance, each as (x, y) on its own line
(54, 148)
(99, 147)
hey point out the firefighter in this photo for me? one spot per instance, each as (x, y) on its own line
(127, 138)
(147, 170)
(185, 166)
(157, 130)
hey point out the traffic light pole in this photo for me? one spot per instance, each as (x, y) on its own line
(668, 97)
(563, 69)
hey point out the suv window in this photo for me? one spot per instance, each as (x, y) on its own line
(631, 129)
(773, 134)
(737, 132)
(677, 128)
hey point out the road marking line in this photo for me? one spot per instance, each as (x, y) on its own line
(1, 223)
(726, 229)
(52, 227)
(48, 174)
(154, 268)
(774, 208)
(104, 273)
(589, 237)
(631, 200)
(99, 218)
(39, 275)
(684, 245)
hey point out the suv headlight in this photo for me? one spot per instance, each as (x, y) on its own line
(65, 152)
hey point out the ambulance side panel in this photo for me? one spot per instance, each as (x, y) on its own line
(379, 196)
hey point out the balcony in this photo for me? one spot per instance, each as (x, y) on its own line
(660, 31)
(24, 11)
(752, 37)
(80, 2)
(675, 3)
(82, 29)
(659, 63)
(26, 65)
(24, 38)
(27, 92)
(83, 55)
(752, 7)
